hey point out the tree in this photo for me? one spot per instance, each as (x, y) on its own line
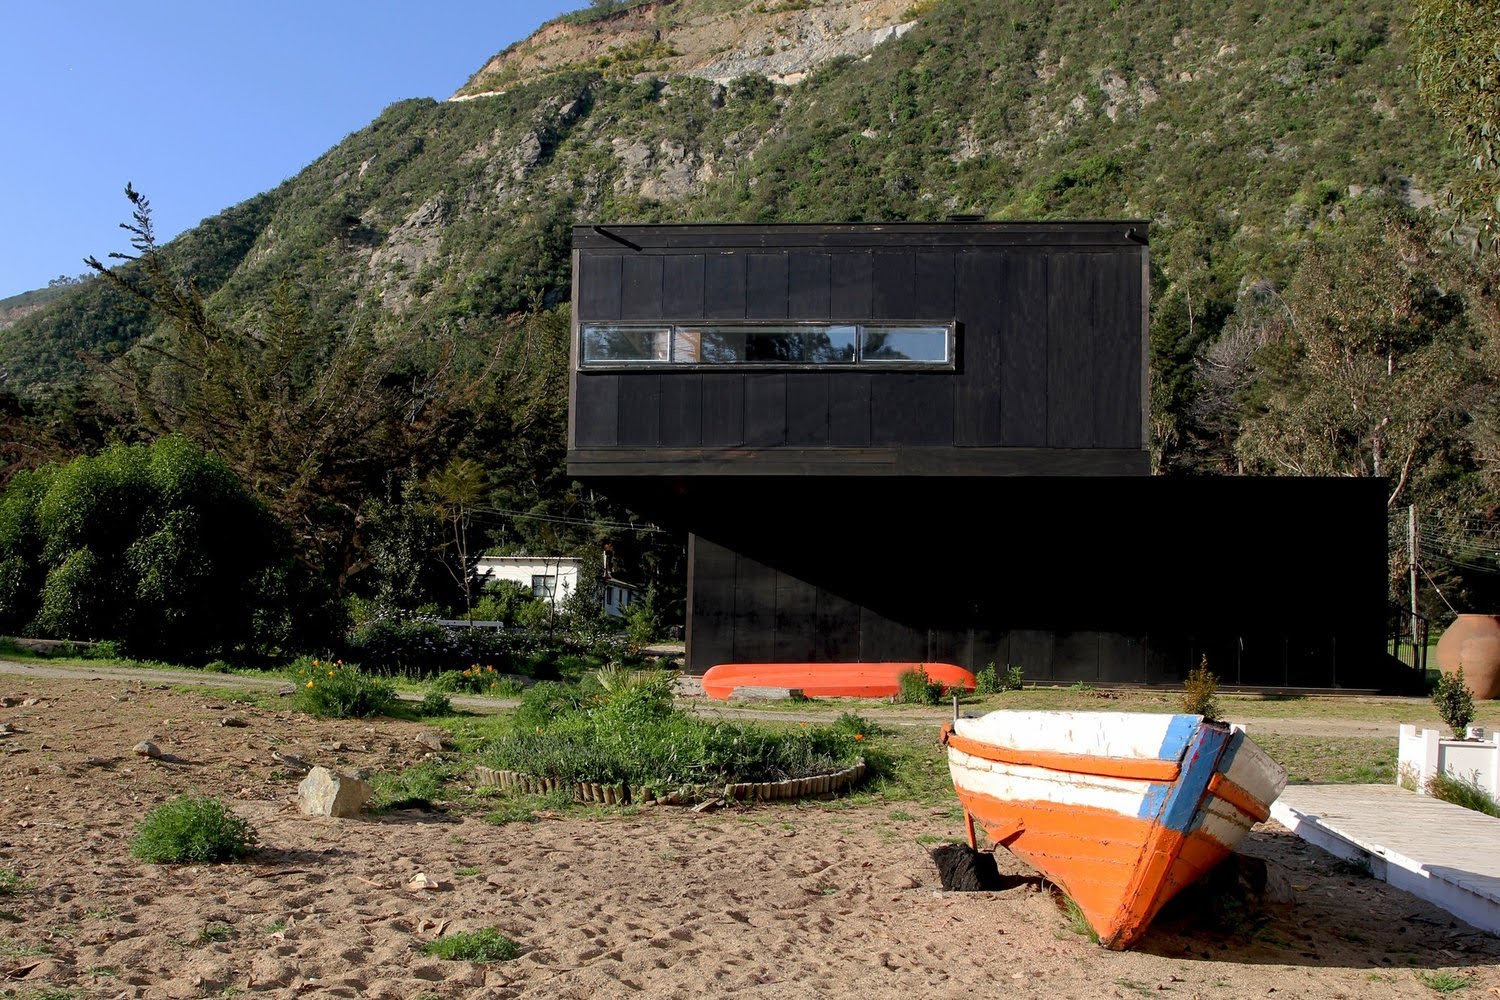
(454, 493)
(1368, 370)
(1457, 47)
(311, 420)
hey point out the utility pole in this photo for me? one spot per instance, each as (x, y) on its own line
(1411, 551)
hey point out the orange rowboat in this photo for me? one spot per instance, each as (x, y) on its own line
(1120, 809)
(829, 680)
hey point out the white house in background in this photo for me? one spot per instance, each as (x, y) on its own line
(552, 578)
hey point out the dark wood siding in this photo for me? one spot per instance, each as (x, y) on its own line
(1048, 348)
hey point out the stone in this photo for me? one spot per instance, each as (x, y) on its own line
(145, 748)
(31, 702)
(708, 806)
(432, 741)
(768, 693)
(232, 722)
(324, 793)
(9, 702)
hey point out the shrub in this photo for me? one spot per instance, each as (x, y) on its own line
(1454, 701)
(916, 688)
(192, 829)
(338, 690)
(435, 703)
(987, 680)
(992, 681)
(473, 679)
(1466, 792)
(1200, 692)
(485, 945)
(157, 547)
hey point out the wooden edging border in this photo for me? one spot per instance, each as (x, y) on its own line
(745, 791)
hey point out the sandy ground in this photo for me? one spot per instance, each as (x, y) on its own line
(792, 901)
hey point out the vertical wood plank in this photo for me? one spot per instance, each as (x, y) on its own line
(980, 302)
(681, 410)
(807, 408)
(1117, 368)
(723, 402)
(1022, 285)
(682, 286)
(894, 288)
(596, 408)
(765, 410)
(641, 287)
(809, 286)
(765, 286)
(849, 409)
(754, 612)
(712, 629)
(850, 293)
(1070, 359)
(934, 285)
(724, 286)
(598, 286)
(796, 620)
(640, 409)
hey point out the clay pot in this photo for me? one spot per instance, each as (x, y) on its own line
(1473, 642)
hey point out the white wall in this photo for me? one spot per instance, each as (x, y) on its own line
(525, 569)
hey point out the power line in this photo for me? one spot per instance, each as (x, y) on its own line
(559, 519)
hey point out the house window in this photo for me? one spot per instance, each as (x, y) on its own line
(771, 345)
(544, 585)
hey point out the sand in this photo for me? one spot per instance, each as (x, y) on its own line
(785, 901)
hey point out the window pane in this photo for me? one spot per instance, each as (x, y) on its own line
(831, 345)
(623, 344)
(905, 344)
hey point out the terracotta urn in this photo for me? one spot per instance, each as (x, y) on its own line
(1473, 642)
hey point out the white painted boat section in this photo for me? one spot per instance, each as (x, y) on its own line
(1254, 771)
(1131, 735)
(1016, 783)
(1445, 854)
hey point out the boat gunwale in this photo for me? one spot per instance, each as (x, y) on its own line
(1128, 768)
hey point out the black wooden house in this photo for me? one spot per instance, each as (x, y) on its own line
(929, 442)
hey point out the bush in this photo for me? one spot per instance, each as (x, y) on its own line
(190, 830)
(157, 547)
(486, 945)
(1455, 702)
(1200, 692)
(338, 690)
(1466, 792)
(435, 703)
(916, 688)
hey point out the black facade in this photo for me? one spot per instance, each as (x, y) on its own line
(978, 493)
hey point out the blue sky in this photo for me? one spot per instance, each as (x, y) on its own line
(202, 104)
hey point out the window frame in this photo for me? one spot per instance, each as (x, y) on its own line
(675, 328)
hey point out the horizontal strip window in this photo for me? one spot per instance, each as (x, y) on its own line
(816, 345)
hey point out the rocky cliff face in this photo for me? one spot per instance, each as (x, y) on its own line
(781, 40)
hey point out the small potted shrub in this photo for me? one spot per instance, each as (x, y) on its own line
(1455, 702)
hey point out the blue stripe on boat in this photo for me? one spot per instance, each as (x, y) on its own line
(1179, 733)
(1181, 804)
(1155, 797)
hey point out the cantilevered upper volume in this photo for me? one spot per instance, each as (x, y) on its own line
(911, 349)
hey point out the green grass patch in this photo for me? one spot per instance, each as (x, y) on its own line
(1076, 921)
(484, 945)
(632, 732)
(1443, 981)
(11, 882)
(1349, 760)
(520, 808)
(417, 787)
(192, 829)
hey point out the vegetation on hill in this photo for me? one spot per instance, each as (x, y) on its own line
(1310, 312)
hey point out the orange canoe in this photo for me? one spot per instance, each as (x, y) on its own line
(829, 680)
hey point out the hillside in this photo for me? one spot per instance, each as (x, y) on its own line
(1246, 132)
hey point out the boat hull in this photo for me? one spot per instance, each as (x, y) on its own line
(1122, 810)
(829, 680)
